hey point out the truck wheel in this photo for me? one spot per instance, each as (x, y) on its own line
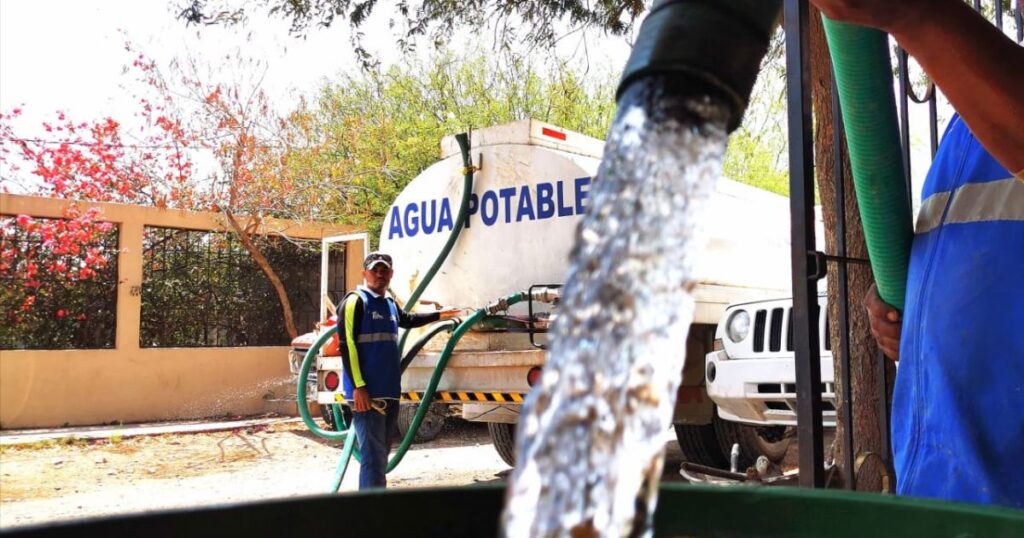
(503, 436)
(328, 416)
(769, 441)
(699, 444)
(431, 425)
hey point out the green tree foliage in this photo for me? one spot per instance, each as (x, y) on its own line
(757, 150)
(365, 136)
(360, 139)
(540, 22)
(748, 160)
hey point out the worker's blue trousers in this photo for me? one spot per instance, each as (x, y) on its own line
(375, 432)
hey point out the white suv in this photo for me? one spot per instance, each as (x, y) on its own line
(751, 375)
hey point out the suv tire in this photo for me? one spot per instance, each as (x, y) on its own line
(699, 444)
(754, 441)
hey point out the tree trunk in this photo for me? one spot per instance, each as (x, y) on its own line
(275, 281)
(865, 393)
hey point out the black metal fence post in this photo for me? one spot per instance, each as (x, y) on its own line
(801, 170)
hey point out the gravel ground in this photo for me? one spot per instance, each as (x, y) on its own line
(66, 479)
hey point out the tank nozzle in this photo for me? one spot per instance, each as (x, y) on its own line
(705, 46)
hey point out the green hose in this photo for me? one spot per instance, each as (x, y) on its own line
(300, 390)
(448, 325)
(307, 363)
(460, 221)
(860, 57)
(343, 434)
(435, 378)
(346, 450)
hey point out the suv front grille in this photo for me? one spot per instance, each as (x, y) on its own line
(759, 318)
(775, 327)
(775, 336)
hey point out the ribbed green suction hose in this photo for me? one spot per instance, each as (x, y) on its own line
(860, 58)
(346, 450)
(460, 221)
(342, 432)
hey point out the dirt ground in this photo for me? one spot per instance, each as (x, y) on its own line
(64, 479)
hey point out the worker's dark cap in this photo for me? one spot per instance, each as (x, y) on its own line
(375, 258)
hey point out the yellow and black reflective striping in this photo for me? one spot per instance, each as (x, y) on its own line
(467, 396)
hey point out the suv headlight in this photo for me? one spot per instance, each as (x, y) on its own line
(738, 326)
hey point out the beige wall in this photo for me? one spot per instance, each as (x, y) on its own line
(129, 384)
(52, 388)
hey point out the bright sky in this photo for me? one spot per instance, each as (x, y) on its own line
(67, 54)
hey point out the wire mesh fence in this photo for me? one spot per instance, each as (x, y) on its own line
(203, 289)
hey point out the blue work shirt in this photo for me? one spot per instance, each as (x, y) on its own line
(958, 407)
(368, 335)
(371, 345)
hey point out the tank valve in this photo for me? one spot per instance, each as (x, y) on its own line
(501, 305)
(545, 295)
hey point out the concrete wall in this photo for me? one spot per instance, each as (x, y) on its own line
(53, 388)
(129, 384)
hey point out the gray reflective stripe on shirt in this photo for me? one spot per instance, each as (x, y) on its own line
(376, 337)
(1001, 200)
(930, 214)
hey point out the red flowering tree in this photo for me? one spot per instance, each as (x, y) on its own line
(102, 161)
(81, 161)
(233, 121)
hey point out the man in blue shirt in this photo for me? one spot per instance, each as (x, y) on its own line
(958, 407)
(368, 336)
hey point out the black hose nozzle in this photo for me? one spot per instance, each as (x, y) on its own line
(705, 46)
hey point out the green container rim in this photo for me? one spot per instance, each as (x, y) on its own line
(683, 510)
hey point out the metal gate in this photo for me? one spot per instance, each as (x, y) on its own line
(805, 254)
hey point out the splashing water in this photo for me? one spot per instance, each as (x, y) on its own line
(232, 398)
(589, 441)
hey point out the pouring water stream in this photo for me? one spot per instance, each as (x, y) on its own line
(589, 445)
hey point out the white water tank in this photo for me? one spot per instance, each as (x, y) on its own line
(528, 198)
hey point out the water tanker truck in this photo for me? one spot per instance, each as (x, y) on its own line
(529, 192)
